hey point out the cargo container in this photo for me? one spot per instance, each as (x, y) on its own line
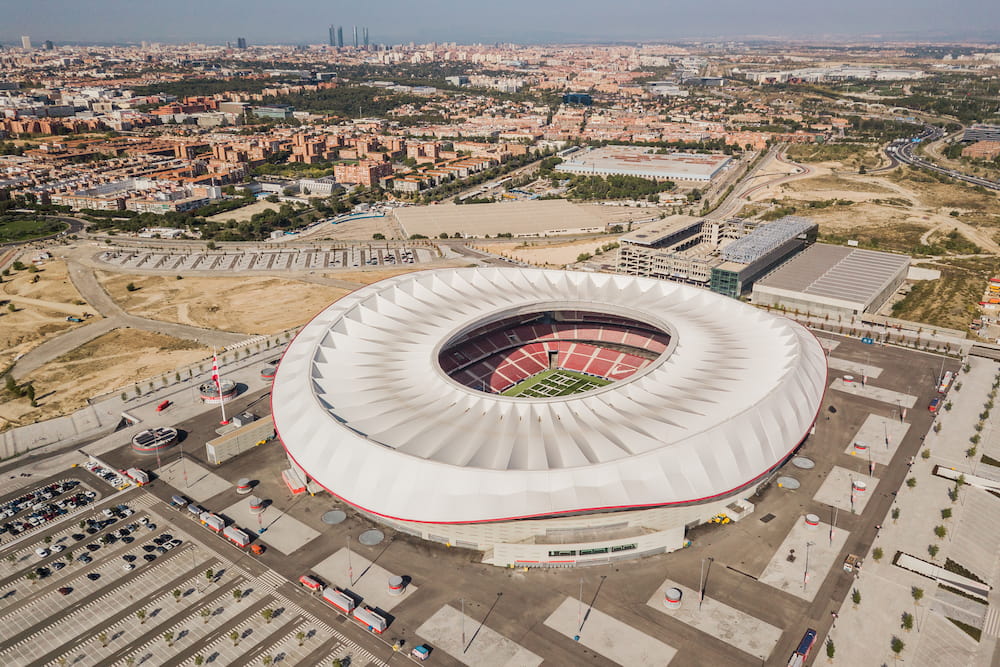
(367, 617)
(339, 599)
(138, 476)
(212, 521)
(236, 536)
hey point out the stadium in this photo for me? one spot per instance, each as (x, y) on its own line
(545, 418)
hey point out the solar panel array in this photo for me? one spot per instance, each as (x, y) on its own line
(766, 238)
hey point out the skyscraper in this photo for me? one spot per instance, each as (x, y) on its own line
(355, 37)
(49, 45)
(333, 35)
(26, 42)
(366, 38)
(340, 36)
(241, 42)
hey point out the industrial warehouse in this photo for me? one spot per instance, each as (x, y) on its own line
(560, 418)
(645, 163)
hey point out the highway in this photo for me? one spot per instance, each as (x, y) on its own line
(902, 151)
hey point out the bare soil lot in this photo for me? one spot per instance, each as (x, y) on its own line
(109, 361)
(40, 311)
(549, 254)
(245, 213)
(249, 305)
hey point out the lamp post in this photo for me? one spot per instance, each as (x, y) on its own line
(805, 576)
(701, 581)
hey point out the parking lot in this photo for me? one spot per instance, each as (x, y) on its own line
(289, 259)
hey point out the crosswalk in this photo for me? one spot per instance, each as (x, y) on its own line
(991, 625)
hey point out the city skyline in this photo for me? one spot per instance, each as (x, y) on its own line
(557, 21)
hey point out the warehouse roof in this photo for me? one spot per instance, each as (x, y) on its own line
(838, 272)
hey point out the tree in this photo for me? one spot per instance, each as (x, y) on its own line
(205, 614)
(877, 554)
(211, 244)
(168, 636)
(895, 514)
(301, 636)
(911, 482)
(268, 614)
(897, 645)
(141, 615)
(199, 660)
(856, 597)
(131, 287)
(177, 594)
(238, 594)
(103, 638)
(932, 549)
(235, 636)
(377, 236)
(946, 513)
(940, 532)
(906, 621)
(209, 575)
(32, 577)
(917, 593)
(266, 660)
(830, 649)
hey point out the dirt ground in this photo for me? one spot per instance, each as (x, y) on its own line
(112, 360)
(355, 230)
(245, 213)
(248, 305)
(548, 254)
(41, 308)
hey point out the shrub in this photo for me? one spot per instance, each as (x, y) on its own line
(131, 287)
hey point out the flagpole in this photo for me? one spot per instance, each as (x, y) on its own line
(218, 385)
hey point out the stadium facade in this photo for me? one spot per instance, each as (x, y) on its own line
(650, 407)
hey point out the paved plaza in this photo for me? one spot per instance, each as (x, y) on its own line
(750, 635)
(839, 490)
(882, 436)
(483, 646)
(192, 480)
(788, 570)
(857, 369)
(370, 581)
(281, 531)
(615, 640)
(874, 393)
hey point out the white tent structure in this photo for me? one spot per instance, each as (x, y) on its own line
(365, 410)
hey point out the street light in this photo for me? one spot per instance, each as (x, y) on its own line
(701, 581)
(805, 576)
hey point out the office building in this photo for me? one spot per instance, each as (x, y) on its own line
(355, 36)
(366, 38)
(340, 36)
(726, 256)
(835, 280)
(241, 43)
(26, 42)
(48, 45)
(332, 34)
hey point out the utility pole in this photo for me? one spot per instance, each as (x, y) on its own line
(463, 625)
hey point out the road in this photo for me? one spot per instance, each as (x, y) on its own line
(739, 196)
(902, 151)
(93, 293)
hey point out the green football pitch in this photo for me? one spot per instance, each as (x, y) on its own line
(555, 382)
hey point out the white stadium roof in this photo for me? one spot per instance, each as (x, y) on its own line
(362, 405)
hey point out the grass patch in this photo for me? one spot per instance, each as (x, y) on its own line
(973, 632)
(958, 568)
(25, 229)
(848, 154)
(959, 591)
(903, 237)
(556, 382)
(952, 300)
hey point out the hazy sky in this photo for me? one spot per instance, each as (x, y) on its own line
(523, 21)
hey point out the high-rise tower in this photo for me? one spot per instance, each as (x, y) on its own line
(26, 41)
(366, 38)
(355, 36)
(340, 36)
(333, 35)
